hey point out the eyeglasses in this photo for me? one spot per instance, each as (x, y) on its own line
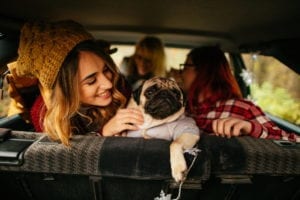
(186, 66)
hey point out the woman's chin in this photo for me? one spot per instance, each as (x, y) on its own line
(101, 102)
(104, 102)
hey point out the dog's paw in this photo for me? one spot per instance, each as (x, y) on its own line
(178, 167)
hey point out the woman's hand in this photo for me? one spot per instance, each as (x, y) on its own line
(125, 119)
(227, 127)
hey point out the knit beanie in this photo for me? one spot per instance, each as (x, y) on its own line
(44, 46)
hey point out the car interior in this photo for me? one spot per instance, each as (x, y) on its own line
(34, 167)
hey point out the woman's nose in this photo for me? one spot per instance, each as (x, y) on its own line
(105, 82)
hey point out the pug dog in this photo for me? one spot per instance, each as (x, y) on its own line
(162, 103)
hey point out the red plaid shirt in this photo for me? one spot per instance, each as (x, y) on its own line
(262, 126)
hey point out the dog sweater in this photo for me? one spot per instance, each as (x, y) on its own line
(168, 131)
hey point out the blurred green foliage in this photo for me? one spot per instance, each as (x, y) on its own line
(276, 100)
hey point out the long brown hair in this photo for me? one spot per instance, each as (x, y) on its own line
(214, 78)
(65, 115)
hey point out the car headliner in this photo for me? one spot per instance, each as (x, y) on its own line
(232, 23)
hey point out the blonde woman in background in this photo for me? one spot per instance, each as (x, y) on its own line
(148, 60)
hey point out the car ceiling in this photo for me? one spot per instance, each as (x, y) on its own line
(178, 21)
(231, 23)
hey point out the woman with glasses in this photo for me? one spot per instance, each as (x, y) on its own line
(215, 100)
(148, 61)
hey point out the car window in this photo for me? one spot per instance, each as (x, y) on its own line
(274, 87)
(174, 55)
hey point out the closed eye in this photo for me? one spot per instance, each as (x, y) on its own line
(177, 94)
(91, 81)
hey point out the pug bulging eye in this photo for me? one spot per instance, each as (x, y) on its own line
(150, 91)
(176, 93)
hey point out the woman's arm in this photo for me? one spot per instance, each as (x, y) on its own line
(255, 124)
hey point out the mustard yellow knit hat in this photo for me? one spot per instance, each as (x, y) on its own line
(44, 46)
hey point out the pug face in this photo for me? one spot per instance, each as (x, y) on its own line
(160, 97)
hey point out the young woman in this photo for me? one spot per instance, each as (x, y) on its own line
(82, 91)
(215, 100)
(148, 61)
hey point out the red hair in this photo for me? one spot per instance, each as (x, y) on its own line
(214, 80)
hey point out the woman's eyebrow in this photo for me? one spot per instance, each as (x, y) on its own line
(89, 76)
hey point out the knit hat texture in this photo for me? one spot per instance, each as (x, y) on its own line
(44, 46)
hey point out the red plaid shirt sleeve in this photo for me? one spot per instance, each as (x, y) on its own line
(262, 126)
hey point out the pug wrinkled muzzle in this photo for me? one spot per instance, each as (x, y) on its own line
(162, 103)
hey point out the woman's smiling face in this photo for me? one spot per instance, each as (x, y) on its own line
(94, 80)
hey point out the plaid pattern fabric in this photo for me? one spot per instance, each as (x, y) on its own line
(262, 126)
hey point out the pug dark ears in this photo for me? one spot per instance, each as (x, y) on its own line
(137, 93)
